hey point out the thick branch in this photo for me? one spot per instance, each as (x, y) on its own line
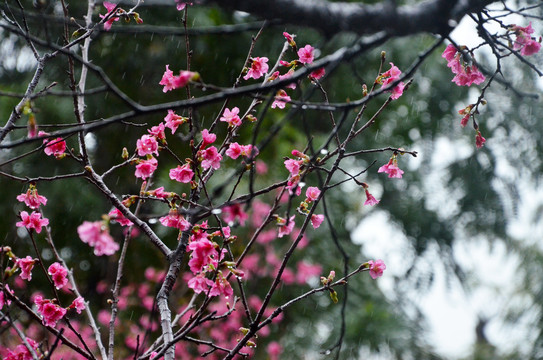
(428, 16)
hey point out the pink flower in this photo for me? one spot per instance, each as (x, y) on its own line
(234, 212)
(118, 216)
(231, 117)
(147, 145)
(175, 220)
(306, 54)
(290, 38)
(55, 147)
(200, 283)
(479, 140)
(157, 131)
(171, 82)
(203, 253)
(390, 76)
(312, 193)
(467, 113)
(58, 274)
(469, 75)
(109, 7)
(281, 98)
(182, 4)
(211, 158)
(258, 68)
(32, 221)
(317, 74)
(167, 80)
(284, 228)
(221, 287)
(370, 199)
(97, 237)
(316, 220)
(182, 174)
(146, 168)
(26, 264)
(376, 268)
(236, 150)
(51, 313)
(31, 198)
(293, 166)
(465, 74)
(207, 138)
(391, 168)
(78, 304)
(160, 193)
(524, 41)
(4, 300)
(173, 120)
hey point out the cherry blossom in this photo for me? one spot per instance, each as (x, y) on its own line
(78, 304)
(109, 7)
(51, 313)
(146, 168)
(479, 140)
(26, 265)
(390, 76)
(175, 220)
(221, 287)
(306, 54)
(290, 38)
(283, 227)
(97, 236)
(259, 67)
(376, 268)
(391, 168)
(180, 5)
(316, 220)
(317, 74)
(524, 41)
(312, 193)
(119, 217)
(231, 116)
(4, 300)
(147, 145)
(58, 274)
(370, 199)
(55, 147)
(22, 352)
(158, 132)
(211, 158)
(465, 74)
(207, 138)
(172, 82)
(234, 212)
(32, 221)
(31, 198)
(281, 98)
(200, 283)
(182, 174)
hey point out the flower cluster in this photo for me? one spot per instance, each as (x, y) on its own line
(524, 40)
(391, 168)
(391, 76)
(466, 73)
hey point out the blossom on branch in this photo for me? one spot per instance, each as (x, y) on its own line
(183, 174)
(110, 8)
(259, 67)
(376, 268)
(31, 198)
(306, 54)
(58, 274)
(390, 76)
(524, 41)
(32, 221)
(146, 168)
(231, 116)
(391, 168)
(466, 73)
(26, 265)
(55, 147)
